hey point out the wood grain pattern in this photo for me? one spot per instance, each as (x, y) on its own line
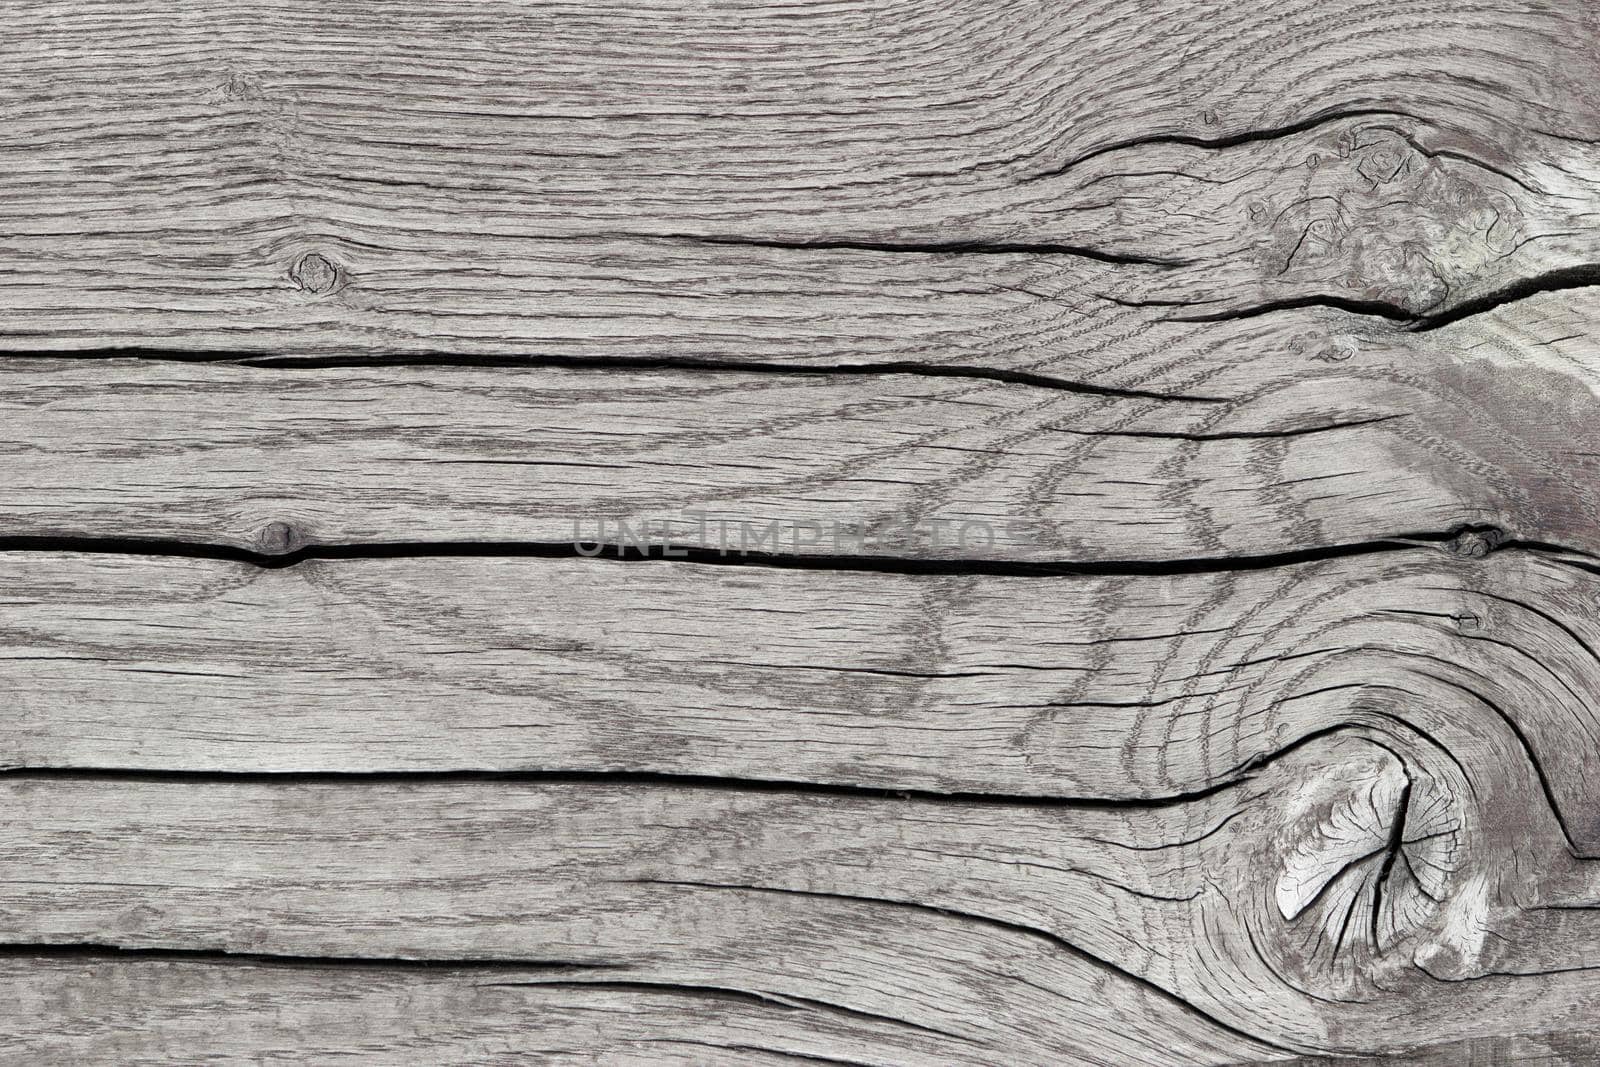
(552, 179)
(1250, 439)
(1128, 687)
(152, 1011)
(1260, 337)
(1367, 761)
(950, 931)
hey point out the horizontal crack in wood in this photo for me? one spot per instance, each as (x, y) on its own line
(1474, 538)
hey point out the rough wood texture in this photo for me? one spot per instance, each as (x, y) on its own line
(1249, 439)
(553, 179)
(1110, 687)
(1296, 906)
(1382, 768)
(1261, 337)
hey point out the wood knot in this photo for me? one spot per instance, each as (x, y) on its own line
(1366, 848)
(279, 539)
(1475, 544)
(314, 273)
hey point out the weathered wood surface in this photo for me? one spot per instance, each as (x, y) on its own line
(946, 933)
(1059, 687)
(1262, 338)
(549, 179)
(1250, 439)
(1359, 789)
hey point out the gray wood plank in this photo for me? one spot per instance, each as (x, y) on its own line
(1113, 687)
(1181, 286)
(945, 931)
(544, 178)
(1294, 443)
(1341, 807)
(901, 987)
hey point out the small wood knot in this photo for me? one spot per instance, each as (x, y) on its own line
(315, 274)
(1337, 352)
(1467, 622)
(1475, 544)
(278, 539)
